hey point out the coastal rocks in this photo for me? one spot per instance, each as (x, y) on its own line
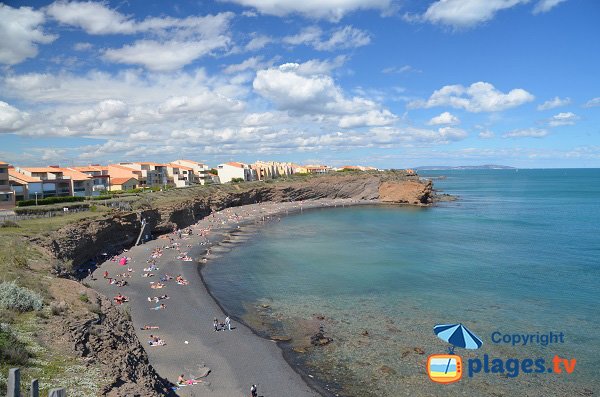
(109, 339)
(320, 339)
(406, 192)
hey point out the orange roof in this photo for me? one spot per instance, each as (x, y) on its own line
(2, 162)
(120, 181)
(122, 167)
(42, 169)
(191, 161)
(235, 164)
(75, 175)
(90, 168)
(147, 163)
(22, 177)
(183, 167)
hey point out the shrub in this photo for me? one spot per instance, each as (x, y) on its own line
(50, 200)
(43, 210)
(11, 349)
(9, 224)
(18, 298)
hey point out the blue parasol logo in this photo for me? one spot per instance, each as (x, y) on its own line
(458, 336)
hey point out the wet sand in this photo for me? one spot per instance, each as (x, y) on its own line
(237, 358)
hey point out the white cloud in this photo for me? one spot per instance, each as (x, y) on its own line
(466, 13)
(333, 10)
(93, 17)
(526, 133)
(341, 38)
(563, 118)
(409, 134)
(165, 56)
(554, 103)
(20, 32)
(478, 97)
(252, 63)
(258, 42)
(98, 19)
(487, 134)
(11, 118)
(444, 118)
(105, 110)
(592, 103)
(546, 5)
(370, 118)
(82, 46)
(401, 69)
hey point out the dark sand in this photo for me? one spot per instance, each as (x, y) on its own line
(237, 358)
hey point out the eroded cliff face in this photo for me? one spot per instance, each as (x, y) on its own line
(80, 242)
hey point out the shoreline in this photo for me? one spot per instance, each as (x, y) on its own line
(253, 358)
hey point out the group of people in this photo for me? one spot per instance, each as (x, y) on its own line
(221, 326)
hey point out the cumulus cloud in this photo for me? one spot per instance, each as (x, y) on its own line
(466, 13)
(526, 133)
(20, 31)
(444, 118)
(165, 56)
(105, 110)
(478, 97)
(592, 103)
(563, 118)
(554, 103)
(295, 90)
(333, 10)
(11, 118)
(546, 5)
(409, 134)
(339, 39)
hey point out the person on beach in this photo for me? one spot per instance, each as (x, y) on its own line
(254, 391)
(216, 324)
(228, 323)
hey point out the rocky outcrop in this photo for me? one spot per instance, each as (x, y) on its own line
(108, 338)
(406, 192)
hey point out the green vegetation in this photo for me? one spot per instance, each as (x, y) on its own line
(42, 209)
(12, 351)
(237, 180)
(49, 200)
(18, 298)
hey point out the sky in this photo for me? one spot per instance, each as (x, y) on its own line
(386, 83)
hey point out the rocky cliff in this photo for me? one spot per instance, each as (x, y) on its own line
(88, 239)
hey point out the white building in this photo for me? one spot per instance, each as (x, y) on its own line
(231, 170)
(200, 171)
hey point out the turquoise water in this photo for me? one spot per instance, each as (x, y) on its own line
(519, 252)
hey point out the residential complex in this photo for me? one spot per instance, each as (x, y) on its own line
(7, 195)
(24, 183)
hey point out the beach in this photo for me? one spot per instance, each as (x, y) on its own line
(237, 358)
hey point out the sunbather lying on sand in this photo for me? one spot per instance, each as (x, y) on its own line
(120, 299)
(156, 299)
(181, 281)
(183, 382)
(156, 341)
(154, 285)
(147, 327)
(159, 307)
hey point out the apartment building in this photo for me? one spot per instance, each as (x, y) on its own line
(231, 170)
(7, 195)
(200, 171)
(52, 181)
(271, 169)
(180, 175)
(126, 183)
(99, 174)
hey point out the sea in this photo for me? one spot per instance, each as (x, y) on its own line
(355, 292)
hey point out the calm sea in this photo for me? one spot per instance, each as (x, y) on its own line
(517, 253)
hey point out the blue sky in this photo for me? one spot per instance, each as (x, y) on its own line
(372, 82)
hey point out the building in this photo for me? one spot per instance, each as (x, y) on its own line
(7, 195)
(180, 175)
(81, 184)
(52, 181)
(355, 168)
(200, 170)
(148, 174)
(234, 170)
(126, 183)
(100, 175)
(317, 169)
(22, 184)
(272, 169)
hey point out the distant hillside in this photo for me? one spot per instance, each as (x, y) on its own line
(465, 167)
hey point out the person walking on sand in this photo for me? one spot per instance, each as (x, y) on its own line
(216, 324)
(254, 391)
(228, 323)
